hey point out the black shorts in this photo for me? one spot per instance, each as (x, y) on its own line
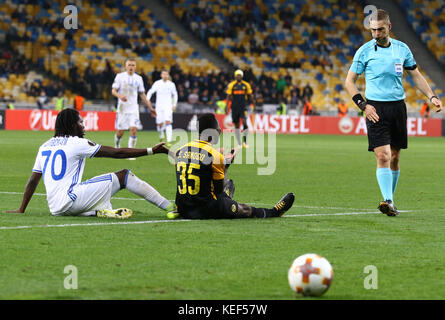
(391, 127)
(221, 208)
(238, 113)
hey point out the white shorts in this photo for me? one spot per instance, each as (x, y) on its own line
(125, 121)
(93, 194)
(163, 115)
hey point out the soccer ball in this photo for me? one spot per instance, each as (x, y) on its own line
(310, 275)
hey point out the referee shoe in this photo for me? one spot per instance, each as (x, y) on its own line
(388, 208)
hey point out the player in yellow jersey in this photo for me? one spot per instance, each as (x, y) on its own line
(239, 92)
(202, 189)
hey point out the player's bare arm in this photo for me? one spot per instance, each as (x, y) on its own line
(352, 89)
(229, 99)
(148, 104)
(425, 88)
(122, 153)
(117, 95)
(30, 188)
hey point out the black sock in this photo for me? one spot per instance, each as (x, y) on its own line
(263, 212)
(245, 138)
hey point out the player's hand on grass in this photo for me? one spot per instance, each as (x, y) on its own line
(14, 211)
(371, 114)
(437, 103)
(160, 148)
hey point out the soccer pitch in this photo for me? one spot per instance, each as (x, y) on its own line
(148, 257)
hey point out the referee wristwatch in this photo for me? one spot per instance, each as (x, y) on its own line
(434, 96)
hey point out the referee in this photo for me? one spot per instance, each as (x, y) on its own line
(383, 60)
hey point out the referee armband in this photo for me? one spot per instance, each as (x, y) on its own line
(359, 101)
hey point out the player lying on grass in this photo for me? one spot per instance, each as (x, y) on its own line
(200, 174)
(61, 161)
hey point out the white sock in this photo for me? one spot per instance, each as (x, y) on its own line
(237, 135)
(144, 190)
(132, 141)
(88, 214)
(168, 132)
(161, 131)
(245, 132)
(117, 141)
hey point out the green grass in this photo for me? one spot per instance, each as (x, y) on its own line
(233, 259)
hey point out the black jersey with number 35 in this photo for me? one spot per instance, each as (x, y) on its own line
(197, 164)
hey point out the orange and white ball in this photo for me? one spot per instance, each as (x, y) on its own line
(310, 275)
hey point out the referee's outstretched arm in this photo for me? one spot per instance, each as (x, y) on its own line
(425, 88)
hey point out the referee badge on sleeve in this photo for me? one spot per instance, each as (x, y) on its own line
(399, 68)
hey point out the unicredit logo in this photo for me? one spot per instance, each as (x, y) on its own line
(345, 125)
(46, 120)
(42, 120)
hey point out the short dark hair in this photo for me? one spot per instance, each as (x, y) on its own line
(65, 122)
(382, 15)
(207, 121)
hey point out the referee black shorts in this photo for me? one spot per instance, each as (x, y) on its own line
(391, 127)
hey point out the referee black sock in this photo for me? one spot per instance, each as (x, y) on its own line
(263, 213)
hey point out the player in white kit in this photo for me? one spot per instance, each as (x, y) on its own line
(166, 100)
(127, 86)
(61, 161)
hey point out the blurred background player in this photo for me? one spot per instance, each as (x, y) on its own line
(202, 190)
(126, 87)
(166, 101)
(238, 93)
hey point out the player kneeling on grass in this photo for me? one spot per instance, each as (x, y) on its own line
(61, 161)
(202, 191)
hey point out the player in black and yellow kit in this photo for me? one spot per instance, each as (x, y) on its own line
(239, 92)
(202, 190)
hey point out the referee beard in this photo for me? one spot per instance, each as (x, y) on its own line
(385, 115)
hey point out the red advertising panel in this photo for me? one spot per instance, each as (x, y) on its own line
(326, 125)
(45, 120)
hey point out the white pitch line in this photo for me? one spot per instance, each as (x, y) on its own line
(328, 214)
(168, 221)
(309, 207)
(249, 203)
